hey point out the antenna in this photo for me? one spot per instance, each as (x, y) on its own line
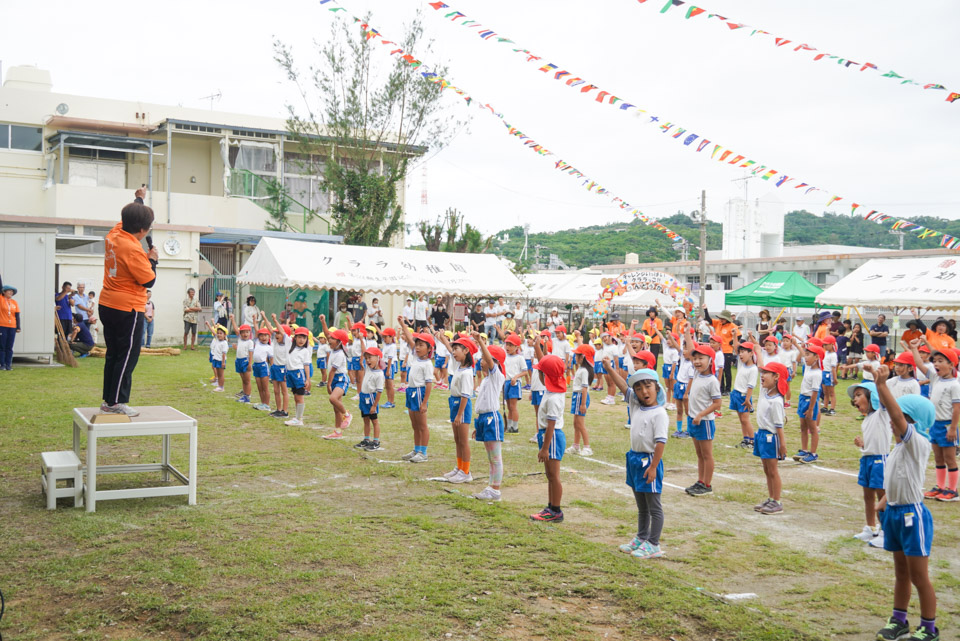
(526, 234)
(901, 234)
(214, 97)
(744, 180)
(423, 192)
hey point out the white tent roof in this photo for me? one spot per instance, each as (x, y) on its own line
(384, 270)
(542, 285)
(933, 283)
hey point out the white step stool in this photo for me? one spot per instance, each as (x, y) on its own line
(56, 466)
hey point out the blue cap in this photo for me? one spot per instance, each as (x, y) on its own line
(871, 387)
(920, 410)
(648, 375)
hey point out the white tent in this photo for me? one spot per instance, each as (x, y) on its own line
(542, 285)
(932, 283)
(385, 270)
(585, 288)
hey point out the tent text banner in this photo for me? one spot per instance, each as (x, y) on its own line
(642, 280)
(932, 283)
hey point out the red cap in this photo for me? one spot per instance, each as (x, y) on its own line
(949, 354)
(546, 333)
(426, 338)
(375, 351)
(587, 351)
(263, 330)
(829, 340)
(244, 328)
(361, 327)
(923, 349)
(790, 336)
(747, 345)
(388, 331)
(814, 349)
(339, 335)
(552, 368)
(466, 343)
(301, 331)
(816, 342)
(498, 355)
(675, 336)
(286, 330)
(515, 340)
(872, 348)
(716, 339)
(782, 374)
(773, 339)
(906, 358)
(648, 357)
(706, 350)
(560, 328)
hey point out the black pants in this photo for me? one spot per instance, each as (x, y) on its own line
(727, 374)
(655, 349)
(123, 334)
(67, 325)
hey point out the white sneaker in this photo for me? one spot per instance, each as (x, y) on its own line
(217, 389)
(461, 477)
(488, 494)
(451, 473)
(866, 534)
(408, 455)
(533, 439)
(670, 406)
(119, 408)
(573, 449)
(586, 451)
(609, 400)
(294, 422)
(418, 458)
(626, 426)
(877, 541)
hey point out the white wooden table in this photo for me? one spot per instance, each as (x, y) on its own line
(160, 421)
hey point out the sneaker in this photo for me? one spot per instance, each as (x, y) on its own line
(274, 414)
(647, 551)
(704, 489)
(626, 426)
(759, 506)
(586, 451)
(717, 415)
(243, 399)
(745, 444)
(119, 408)
(526, 387)
(772, 507)
(449, 475)
(388, 406)
(948, 496)
(893, 631)
(548, 515)
(931, 494)
(408, 455)
(809, 457)
(694, 489)
(239, 394)
(282, 414)
(294, 422)
(348, 417)
(402, 388)
(799, 455)
(533, 439)
(488, 494)
(632, 545)
(362, 444)
(677, 434)
(786, 404)
(921, 634)
(685, 434)
(573, 449)
(462, 477)
(609, 400)
(670, 407)
(418, 457)
(513, 430)
(372, 446)
(877, 541)
(217, 389)
(866, 534)
(333, 436)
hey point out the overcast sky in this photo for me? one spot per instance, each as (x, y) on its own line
(869, 139)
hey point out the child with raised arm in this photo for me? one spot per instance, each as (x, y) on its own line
(829, 375)
(704, 401)
(278, 368)
(684, 377)
(907, 523)
(741, 396)
(370, 390)
(789, 355)
(550, 437)
(671, 362)
(297, 360)
(219, 348)
(488, 426)
(808, 408)
(390, 353)
(338, 381)
(461, 404)
(905, 382)
(874, 444)
(580, 401)
(541, 348)
(355, 349)
(243, 365)
(514, 366)
(769, 444)
(262, 359)
(648, 439)
(419, 386)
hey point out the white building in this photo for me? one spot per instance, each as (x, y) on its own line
(753, 228)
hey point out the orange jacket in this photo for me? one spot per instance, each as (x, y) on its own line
(8, 312)
(125, 269)
(650, 328)
(940, 342)
(725, 331)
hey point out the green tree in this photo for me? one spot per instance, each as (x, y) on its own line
(277, 205)
(361, 124)
(450, 233)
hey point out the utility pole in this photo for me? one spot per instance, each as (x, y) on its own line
(703, 248)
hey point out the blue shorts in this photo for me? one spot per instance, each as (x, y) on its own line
(454, 403)
(476, 366)
(871, 471)
(938, 434)
(738, 402)
(679, 390)
(575, 404)
(217, 364)
(210, 356)
(403, 367)
(367, 408)
(804, 405)
(598, 367)
(637, 463)
(925, 390)
(390, 372)
(907, 528)
(511, 390)
(489, 427)
(414, 400)
(354, 364)
(261, 370)
(240, 365)
(340, 381)
(557, 446)
(295, 379)
(620, 362)
(667, 371)
(702, 431)
(321, 362)
(440, 362)
(529, 365)
(826, 379)
(536, 397)
(278, 373)
(310, 367)
(766, 444)
(789, 375)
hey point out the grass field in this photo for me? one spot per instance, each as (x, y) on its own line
(296, 537)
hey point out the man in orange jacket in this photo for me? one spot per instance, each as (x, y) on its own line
(726, 329)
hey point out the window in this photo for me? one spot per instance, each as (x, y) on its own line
(98, 154)
(303, 178)
(199, 128)
(727, 280)
(21, 137)
(97, 173)
(91, 248)
(817, 278)
(694, 282)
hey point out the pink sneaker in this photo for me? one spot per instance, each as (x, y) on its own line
(333, 435)
(346, 421)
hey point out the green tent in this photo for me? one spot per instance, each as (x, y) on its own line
(777, 289)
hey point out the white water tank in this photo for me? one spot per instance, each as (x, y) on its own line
(754, 228)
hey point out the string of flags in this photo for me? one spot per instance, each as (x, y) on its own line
(563, 166)
(698, 142)
(732, 25)
(946, 240)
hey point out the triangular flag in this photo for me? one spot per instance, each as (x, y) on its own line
(781, 41)
(853, 208)
(952, 97)
(833, 200)
(672, 3)
(693, 12)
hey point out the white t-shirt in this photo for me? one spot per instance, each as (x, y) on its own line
(944, 393)
(323, 350)
(488, 394)
(685, 372)
(280, 351)
(612, 351)
(801, 332)
(356, 348)
(552, 408)
(902, 386)
(703, 391)
(408, 311)
(670, 355)
(648, 425)
(389, 352)
(905, 472)
(219, 349)
(337, 362)
(812, 379)
(298, 358)
(527, 353)
(867, 374)
(789, 357)
(536, 385)
(770, 412)
(262, 352)
(421, 372)
(515, 365)
(829, 361)
(876, 433)
(442, 351)
(490, 311)
(462, 382)
(244, 347)
(560, 348)
(554, 321)
(581, 380)
(718, 361)
(404, 350)
(420, 310)
(372, 381)
(746, 379)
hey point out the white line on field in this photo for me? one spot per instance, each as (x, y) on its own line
(620, 467)
(827, 469)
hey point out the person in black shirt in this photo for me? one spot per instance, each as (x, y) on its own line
(477, 318)
(439, 317)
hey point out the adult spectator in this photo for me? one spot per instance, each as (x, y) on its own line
(420, 312)
(651, 325)
(81, 340)
(801, 331)
(375, 315)
(614, 326)
(879, 332)
(251, 313)
(855, 344)
(9, 326)
(343, 319)
(518, 312)
(502, 310)
(219, 310)
(92, 321)
(439, 317)
(287, 314)
(477, 318)
(191, 307)
(533, 316)
(938, 336)
(408, 311)
(149, 312)
(726, 330)
(80, 304)
(764, 326)
(128, 271)
(554, 320)
(836, 325)
(821, 328)
(358, 308)
(490, 321)
(64, 310)
(509, 324)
